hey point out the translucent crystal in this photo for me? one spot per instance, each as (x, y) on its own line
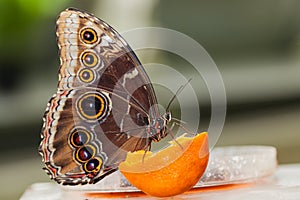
(239, 164)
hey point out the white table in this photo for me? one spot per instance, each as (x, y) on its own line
(283, 185)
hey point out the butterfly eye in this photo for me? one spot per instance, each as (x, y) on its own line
(89, 59)
(93, 165)
(79, 137)
(92, 106)
(86, 75)
(89, 36)
(85, 153)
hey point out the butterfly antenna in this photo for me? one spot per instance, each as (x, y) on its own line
(177, 93)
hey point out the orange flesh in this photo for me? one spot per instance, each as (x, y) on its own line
(170, 171)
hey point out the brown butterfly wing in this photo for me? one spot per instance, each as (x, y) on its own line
(103, 103)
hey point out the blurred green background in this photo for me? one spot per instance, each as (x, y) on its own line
(255, 44)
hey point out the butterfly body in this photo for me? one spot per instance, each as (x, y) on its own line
(104, 107)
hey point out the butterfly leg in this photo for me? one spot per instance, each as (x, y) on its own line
(146, 150)
(183, 127)
(170, 130)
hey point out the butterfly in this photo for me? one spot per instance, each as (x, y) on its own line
(104, 107)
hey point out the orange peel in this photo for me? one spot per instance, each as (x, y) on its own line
(170, 171)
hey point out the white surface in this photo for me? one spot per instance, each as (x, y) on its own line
(284, 185)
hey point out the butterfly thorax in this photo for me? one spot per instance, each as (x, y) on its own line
(158, 127)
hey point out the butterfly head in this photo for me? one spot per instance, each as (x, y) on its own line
(167, 117)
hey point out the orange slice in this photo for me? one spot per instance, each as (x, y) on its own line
(170, 171)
